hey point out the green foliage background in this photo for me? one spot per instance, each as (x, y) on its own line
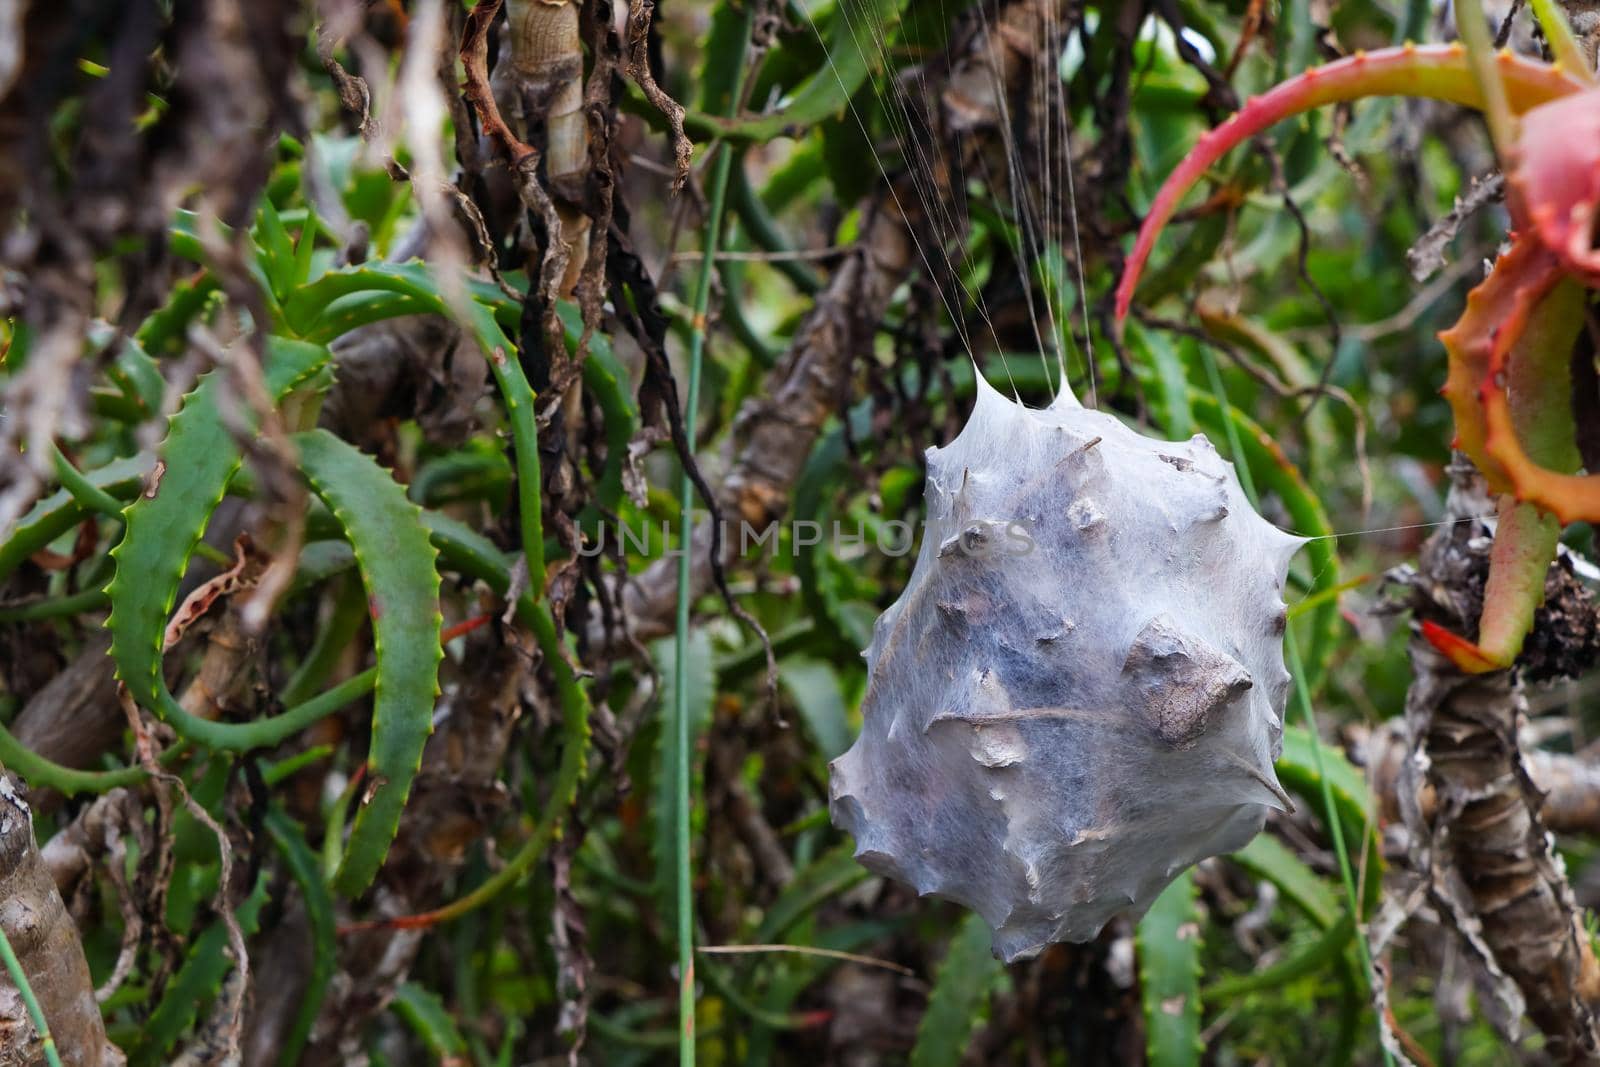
(561, 910)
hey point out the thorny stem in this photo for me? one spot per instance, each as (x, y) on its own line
(1330, 811)
(680, 647)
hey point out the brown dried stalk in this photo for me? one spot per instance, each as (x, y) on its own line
(1483, 848)
(1569, 785)
(522, 158)
(547, 73)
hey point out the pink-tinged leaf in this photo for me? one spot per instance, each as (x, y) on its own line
(1502, 300)
(1528, 435)
(1439, 72)
(1524, 544)
(1554, 174)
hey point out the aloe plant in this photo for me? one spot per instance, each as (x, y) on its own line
(1508, 353)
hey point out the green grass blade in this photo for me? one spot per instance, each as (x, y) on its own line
(19, 978)
(717, 190)
(306, 871)
(700, 688)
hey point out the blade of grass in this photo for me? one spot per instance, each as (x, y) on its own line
(1330, 810)
(717, 195)
(31, 1002)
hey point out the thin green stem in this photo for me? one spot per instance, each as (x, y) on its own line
(40, 772)
(60, 607)
(717, 195)
(1473, 27)
(31, 1002)
(1330, 810)
(1564, 45)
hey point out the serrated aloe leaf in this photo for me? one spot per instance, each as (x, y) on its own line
(274, 250)
(1438, 72)
(61, 511)
(814, 685)
(163, 329)
(961, 989)
(1327, 949)
(398, 568)
(430, 1020)
(164, 525)
(1267, 857)
(137, 377)
(825, 877)
(362, 309)
(1168, 941)
(1270, 860)
(341, 300)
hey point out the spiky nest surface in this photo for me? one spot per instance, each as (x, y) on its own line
(1080, 691)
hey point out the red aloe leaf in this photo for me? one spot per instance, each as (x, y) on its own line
(1528, 429)
(1504, 299)
(1515, 339)
(1554, 174)
(1439, 71)
(1463, 653)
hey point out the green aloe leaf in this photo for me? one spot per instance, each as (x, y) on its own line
(1168, 942)
(397, 564)
(960, 997)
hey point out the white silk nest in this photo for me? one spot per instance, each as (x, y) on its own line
(1080, 691)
